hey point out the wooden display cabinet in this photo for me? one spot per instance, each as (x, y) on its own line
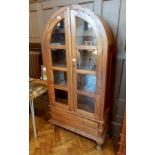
(78, 54)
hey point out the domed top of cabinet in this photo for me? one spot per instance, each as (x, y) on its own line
(99, 25)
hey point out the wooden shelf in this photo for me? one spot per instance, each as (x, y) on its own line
(86, 90)
(61, 84)
(85, 93)
(86, 71)
(57, 46)
(59, 68)
(86, 47)
(62, 101)
(86, 36)
(60, 87)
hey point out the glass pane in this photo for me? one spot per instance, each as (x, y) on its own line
(86, 59)
(58, 57)
(86, 82)
(86, 103)
(84, 33)
(58, 35)
(61, 96)
(60, 78)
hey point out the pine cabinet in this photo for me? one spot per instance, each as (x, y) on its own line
(78, 50)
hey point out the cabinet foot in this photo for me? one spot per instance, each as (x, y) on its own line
(98, 147)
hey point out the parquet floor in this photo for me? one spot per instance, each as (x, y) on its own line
(58, 141)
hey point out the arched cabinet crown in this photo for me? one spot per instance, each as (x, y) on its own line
(78, 54)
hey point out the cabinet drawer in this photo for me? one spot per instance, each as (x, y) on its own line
(74, 121)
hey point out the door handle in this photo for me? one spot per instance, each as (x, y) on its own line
(73, 60)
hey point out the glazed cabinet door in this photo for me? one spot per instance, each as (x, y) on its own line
(58, 66)
(85, 62)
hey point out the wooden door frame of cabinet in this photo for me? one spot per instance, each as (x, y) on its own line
(107, 41)
(105, 45)
(63, 14)
(69, 55)
(84, 16)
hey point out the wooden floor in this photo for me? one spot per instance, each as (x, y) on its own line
(58, 141)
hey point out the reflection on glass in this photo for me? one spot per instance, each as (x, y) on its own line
(86, 59)
(58, 35)
(60, 78)
(61, 96)
(84, 33)
(86, 103)
(58, 57)
(86, 82)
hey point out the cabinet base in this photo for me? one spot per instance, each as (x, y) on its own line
(82, 126)
(98, 140)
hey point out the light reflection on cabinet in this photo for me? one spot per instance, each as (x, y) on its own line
(86, 82)
(58, 35)
(85, 33)
(86, 59)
